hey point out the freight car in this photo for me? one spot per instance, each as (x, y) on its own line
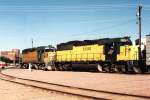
(38, 57)
(109, 55)
(148, 50)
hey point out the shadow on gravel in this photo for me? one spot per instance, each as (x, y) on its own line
(95, 71)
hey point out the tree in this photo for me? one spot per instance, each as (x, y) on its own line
(4, 59)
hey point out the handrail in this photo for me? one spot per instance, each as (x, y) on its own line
(80, 57)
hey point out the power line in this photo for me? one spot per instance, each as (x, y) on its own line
(76, 8)
(106, 28)
(63, 8)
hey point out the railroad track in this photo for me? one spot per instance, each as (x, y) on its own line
(74, 91)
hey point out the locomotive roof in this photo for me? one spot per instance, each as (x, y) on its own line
(36, 49)
(108, 40)
(28, 49)
(96, 41)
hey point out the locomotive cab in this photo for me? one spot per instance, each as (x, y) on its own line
(113, 47)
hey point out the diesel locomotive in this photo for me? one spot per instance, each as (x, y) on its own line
(38, 57)
(106, 55)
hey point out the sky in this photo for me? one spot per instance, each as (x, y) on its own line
(49, 22)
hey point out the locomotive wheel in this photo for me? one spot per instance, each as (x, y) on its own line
(36, 67)
(20, 66)
(117, 69)
(107, 67)
(65, 67)
(25, 66)
(137, 68)
(70, 69)
(60, 68)
(40, 67)
(45, 69)
(99, 68)
(123, 68)
(49, 68)
(56, 69)
(53, 68)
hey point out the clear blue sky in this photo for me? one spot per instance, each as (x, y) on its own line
(56, 21)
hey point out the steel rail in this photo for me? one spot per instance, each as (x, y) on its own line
(69, 87)
(11, 79)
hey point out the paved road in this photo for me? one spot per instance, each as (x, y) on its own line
(11, 91)
(135, 84)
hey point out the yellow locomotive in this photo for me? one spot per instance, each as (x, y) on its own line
(108, 54)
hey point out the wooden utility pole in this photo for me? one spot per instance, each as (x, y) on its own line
(139, 27)
(32, 42)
